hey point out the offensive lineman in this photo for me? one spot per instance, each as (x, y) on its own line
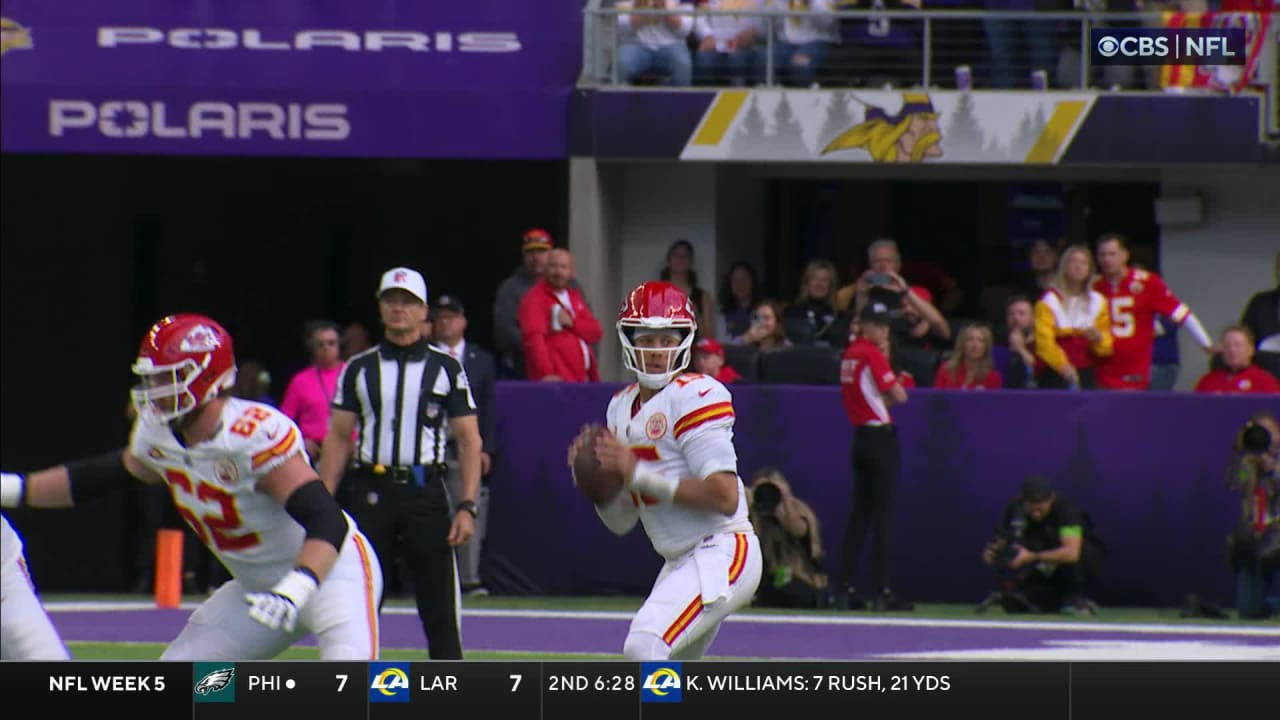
(671, 437)
(26, 633)
(239, 475)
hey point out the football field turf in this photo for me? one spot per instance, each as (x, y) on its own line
(593, 628)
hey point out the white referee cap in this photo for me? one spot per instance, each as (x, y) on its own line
(405, 279)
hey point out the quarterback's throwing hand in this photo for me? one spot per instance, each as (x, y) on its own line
(278, 607)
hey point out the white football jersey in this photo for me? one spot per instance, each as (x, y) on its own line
(684, 431)
(214, 485)
(10, 543)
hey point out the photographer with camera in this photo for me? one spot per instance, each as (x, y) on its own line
(1045, 551)
(1254, 547)
(790, 544)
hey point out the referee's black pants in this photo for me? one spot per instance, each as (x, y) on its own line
(876, 466)
(401, 517)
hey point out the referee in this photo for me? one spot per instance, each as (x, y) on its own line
(400, 394)
(869, 387)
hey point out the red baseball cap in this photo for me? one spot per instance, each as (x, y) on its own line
(923, 293)
(536, 239)
(710, 345)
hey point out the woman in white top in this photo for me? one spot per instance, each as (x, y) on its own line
(729, 46)
(803, 42)
(655, 43)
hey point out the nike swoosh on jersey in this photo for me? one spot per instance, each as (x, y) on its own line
(272, 435)
(703, 393)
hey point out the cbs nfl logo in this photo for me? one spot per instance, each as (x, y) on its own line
(662, 683)
(388, 682)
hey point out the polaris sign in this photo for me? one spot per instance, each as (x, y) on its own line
(305, 40)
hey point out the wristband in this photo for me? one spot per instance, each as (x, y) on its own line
(13, 490)
(658, 487)
(298, 586)
(470, 506)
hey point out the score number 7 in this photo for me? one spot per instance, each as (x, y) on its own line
(515, 681)
(342, 681)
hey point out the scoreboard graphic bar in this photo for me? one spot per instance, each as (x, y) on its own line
(652, 691)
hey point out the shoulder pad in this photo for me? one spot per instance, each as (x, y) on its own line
(264, 434)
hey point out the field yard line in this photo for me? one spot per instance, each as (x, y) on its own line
(770, 619)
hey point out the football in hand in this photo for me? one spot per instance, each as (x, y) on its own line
(598, 485)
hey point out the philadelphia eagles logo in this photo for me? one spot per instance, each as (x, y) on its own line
(215, 681)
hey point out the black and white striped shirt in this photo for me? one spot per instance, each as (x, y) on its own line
(403, 413)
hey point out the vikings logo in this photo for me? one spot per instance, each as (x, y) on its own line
(13, 36)
(910, 135)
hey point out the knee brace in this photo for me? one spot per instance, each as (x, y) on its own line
(645, 647)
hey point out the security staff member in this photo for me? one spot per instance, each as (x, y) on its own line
(869, 387)
(402, 393)
(450, 329)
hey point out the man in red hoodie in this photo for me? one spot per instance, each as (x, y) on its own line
(557, 326)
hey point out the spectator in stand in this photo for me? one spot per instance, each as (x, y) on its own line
(728, 45)
(1016, 361)
(1262, 317)
(507, 339)
(812, 318)
(1238, 374)
(1040, 37)
(1135, 297)
(803, 41)
(883, 51)
(1073, 325)
(920, 325)
(739, 292)
(557, 327)
(970, 366)
(1042, 258)
(678, 270)
(876, 283)
(355, 339)
(765, 332)
(654, 43)
(309, 394)
(708, 359)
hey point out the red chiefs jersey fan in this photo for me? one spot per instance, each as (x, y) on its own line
(184, 361)
(651, 308)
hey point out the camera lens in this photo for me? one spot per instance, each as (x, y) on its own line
(766, 497)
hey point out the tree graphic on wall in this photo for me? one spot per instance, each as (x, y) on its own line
(838, 118)
(1025, 137)
(963, 136)
(788, 139)
(750, 139)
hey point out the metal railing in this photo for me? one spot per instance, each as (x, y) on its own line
(872, 48)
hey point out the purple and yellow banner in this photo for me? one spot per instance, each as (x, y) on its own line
(913, 127)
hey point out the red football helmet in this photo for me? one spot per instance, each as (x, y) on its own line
(656, 308)
(184, 361)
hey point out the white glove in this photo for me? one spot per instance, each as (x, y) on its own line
(278, 608)
(12, 487)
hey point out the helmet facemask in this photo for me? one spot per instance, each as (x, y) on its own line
(676, 356)
(164, 392)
